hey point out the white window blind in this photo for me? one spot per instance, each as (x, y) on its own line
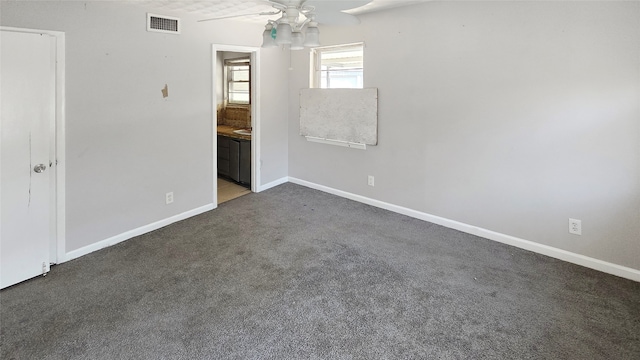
(339, 67)
(238, 81)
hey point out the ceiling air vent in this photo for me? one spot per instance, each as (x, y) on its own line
(161, 23)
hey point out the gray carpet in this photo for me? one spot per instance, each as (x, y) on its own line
(294, 273)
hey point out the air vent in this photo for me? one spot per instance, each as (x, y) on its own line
(161, 23)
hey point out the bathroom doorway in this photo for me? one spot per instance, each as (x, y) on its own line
(236, 121)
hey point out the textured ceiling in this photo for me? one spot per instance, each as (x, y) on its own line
(222, 8)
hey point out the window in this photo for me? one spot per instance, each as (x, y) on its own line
(238, 81)
(338, 67)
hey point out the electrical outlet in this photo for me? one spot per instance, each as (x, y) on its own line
(169, 198)
(575, 227)
(371, 180)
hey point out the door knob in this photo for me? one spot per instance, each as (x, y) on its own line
(40, 168)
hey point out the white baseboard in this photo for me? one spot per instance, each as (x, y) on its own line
(133, 233)
(596, 264)
(273, 184)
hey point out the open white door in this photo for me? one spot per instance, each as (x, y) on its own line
(27, 101)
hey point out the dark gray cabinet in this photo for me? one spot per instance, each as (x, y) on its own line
(223, 155)
(234, 159)
(245, 162)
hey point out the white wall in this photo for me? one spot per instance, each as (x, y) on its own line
(508, 116)
(274, 116)
(127, 145)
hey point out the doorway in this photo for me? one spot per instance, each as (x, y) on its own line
(236, 101)
(32, 138)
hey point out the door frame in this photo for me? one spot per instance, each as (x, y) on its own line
(254, 53)
(57, 231)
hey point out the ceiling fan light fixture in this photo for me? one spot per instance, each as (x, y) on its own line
(283, 33)
(301, 17)
(312, 36)
(267, 37)
(297, 41)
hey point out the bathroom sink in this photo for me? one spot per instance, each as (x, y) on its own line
(242, 132)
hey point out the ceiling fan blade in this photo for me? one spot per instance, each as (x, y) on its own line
(335, 18)
(336, 5)
(241, 15)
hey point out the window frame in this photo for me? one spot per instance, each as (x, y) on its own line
(228, 63)
(315, 80)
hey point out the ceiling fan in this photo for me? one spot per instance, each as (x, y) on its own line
(299, 19)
